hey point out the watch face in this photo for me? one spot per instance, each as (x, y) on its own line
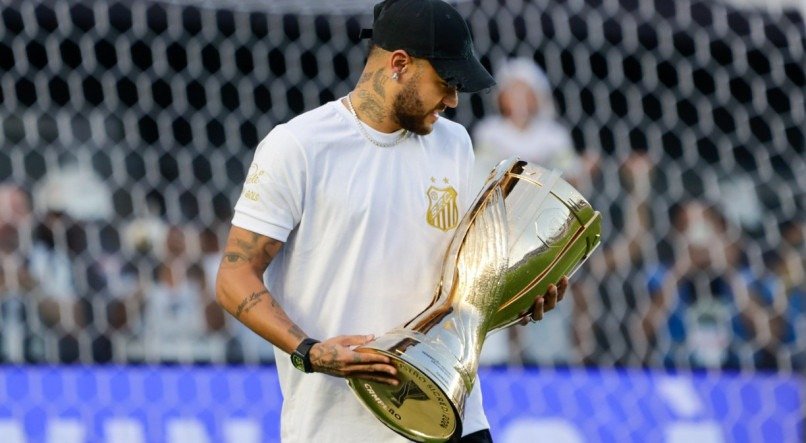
(297, 361)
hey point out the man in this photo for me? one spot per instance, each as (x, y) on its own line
(337, 200)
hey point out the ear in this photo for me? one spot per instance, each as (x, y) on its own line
(399, 61)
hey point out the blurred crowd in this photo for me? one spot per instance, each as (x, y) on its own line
(685, 285)
(74, 288)
(677, 285)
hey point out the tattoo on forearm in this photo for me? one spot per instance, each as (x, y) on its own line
(297, 332)
(249, 302)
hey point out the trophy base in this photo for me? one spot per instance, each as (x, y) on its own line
(426, 405)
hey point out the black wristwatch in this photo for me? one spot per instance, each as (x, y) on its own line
(301, 357)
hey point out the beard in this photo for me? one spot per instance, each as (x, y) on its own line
(409, 111)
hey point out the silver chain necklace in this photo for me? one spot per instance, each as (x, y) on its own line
(366, 135)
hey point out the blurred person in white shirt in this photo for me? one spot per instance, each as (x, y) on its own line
(526, 126)
(180, 312)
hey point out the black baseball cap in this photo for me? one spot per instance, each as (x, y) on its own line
(433, 30)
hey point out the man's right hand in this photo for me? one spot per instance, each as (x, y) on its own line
(337, 357)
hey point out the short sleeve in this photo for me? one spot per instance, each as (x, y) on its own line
(272, 197)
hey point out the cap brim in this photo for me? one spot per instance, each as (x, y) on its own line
(467, 74)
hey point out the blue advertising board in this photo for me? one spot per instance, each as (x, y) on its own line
(123, 404)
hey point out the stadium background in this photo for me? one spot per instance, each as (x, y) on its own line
(127, 129)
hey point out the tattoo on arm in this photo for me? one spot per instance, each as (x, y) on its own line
(249, 302)
(297, 332)
(233, 258)
(248, 246)
(271, 248)
(242, 251)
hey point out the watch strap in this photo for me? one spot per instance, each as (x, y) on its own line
(303, 354)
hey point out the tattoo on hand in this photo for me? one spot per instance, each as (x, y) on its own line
(249, 302)
(325, 359)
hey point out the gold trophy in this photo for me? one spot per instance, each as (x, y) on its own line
(525, 230)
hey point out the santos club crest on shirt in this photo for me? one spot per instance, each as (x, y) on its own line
(443, 212)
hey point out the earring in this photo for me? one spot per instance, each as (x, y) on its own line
(395, 75)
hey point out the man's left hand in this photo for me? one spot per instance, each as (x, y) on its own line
(544, 303)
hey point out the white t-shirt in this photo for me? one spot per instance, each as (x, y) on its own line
(363, 247)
